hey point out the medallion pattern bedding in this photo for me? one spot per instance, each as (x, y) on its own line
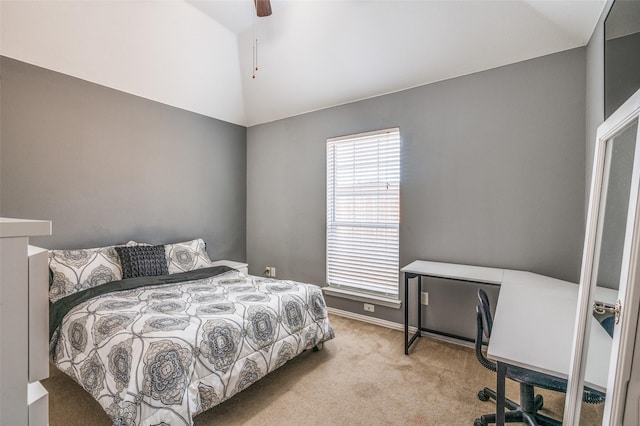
(159, 350)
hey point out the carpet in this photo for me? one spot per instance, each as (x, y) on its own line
(361, 377)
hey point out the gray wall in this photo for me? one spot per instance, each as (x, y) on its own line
(614, 221)
(594, 94)
(106, 166)
(622, 64)
(612, 76)
(493, 170)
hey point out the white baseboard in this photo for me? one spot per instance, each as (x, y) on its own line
(394, 326)
(370, 320)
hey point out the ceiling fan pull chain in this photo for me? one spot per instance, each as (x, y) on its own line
(255, 47)
(263, 8)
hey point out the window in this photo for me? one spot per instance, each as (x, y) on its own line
(363, 212)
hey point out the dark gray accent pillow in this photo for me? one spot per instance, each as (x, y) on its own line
(142, 261)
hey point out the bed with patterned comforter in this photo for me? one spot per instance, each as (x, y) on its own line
(159, 350)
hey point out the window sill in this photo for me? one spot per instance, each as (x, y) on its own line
(388, 301)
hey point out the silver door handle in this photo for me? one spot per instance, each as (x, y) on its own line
(603, 308)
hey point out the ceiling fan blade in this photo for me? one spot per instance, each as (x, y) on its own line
(263, 7)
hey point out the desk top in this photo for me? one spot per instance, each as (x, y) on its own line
(477, 274)
(534, 325)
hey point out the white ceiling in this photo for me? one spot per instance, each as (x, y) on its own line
(315, 54)
(312, 54)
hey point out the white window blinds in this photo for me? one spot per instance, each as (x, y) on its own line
(363, 211)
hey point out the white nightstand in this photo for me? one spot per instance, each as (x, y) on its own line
(240, 266)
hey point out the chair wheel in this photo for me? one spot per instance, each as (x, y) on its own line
(539, 402)
(479, 422)
(482, 396)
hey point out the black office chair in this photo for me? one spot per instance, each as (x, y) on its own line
(530, 403)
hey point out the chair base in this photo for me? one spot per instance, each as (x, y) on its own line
(527, 413)
(518, 416)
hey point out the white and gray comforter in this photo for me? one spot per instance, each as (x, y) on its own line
(158, 354)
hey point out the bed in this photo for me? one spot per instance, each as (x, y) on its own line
(157, 345)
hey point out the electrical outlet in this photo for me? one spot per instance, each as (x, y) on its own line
(269, 271)
(273, 272)
(369, 307)
(425, 298)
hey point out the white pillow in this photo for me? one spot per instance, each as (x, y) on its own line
(76, 270)
(187, 256)
(135, 243)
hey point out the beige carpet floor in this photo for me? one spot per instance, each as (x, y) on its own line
(361, 377)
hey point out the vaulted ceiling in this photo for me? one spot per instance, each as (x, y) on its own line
(312, 54)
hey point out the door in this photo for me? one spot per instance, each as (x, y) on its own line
(609, 292)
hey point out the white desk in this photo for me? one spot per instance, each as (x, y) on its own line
(455, 272)
(450, 271)
(534, 325)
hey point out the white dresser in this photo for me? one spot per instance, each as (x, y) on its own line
(24, 323)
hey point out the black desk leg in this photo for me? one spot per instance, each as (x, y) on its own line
(409, 341)
(500, 393)
(406, 314)
(419, 305)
